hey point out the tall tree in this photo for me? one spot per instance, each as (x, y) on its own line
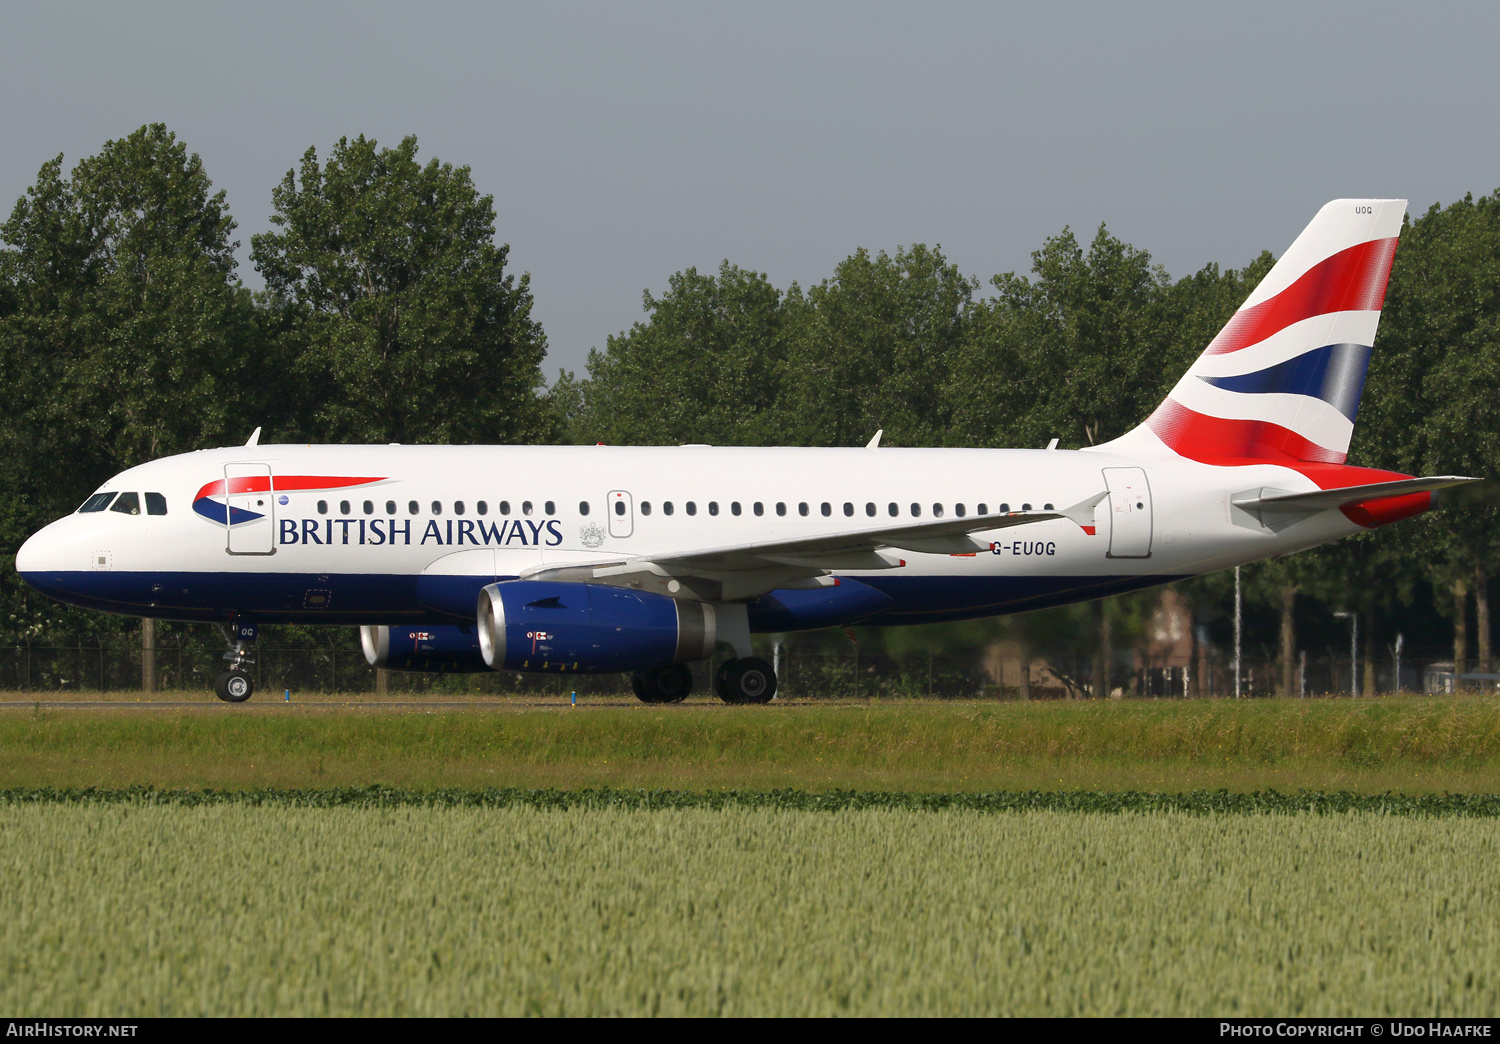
(127, 335)
(403, 324)
(875, 351)
(706, 366)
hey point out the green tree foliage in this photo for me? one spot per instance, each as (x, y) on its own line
(874, 349)
(1076, 353)
(705, 367)
(124, 328)
(394, 294)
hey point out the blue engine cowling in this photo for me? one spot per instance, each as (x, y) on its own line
(444, 649)
(537, 625)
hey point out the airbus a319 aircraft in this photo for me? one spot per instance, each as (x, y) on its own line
(602, 559)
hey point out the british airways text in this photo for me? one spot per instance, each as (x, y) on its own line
(455, 531)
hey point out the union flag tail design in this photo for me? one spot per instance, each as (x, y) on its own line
(1281, 382)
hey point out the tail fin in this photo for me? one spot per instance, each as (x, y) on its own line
(1282, 380)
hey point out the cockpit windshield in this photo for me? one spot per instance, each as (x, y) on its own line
(156, 504)
(127, 504)
(97, 502)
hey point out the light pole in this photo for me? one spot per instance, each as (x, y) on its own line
(1353, 619)
(1400, 640)
(1237, 618)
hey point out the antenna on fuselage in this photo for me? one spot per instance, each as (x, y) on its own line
(875, 442)
(254, 438)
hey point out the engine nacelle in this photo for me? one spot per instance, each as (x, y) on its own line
(445, 649)
(539, 625)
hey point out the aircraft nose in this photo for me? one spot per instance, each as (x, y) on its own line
(45, 552)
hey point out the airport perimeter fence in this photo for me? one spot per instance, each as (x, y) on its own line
(89, 665)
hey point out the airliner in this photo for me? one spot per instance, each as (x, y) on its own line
(592, 559)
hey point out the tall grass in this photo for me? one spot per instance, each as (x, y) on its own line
(231, 908)
(1406, 744)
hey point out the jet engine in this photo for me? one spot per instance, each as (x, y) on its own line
(538, 625)
(445, 649)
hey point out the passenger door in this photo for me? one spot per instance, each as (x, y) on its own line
(1129, 513)
(250, 509)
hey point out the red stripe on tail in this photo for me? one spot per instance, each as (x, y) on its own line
(1214, 440)
(1352, 280)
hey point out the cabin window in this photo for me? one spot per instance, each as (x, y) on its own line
(802, 509)
(645, 507)
(666, 507)
(503, 507)
(713, 507)
(458, 507)
(583, 507)
(692, 508)
(369, 507)
(1004, 509)
(826, 508)
(916, 511)
(734, 508)
(759, 509)
(551, 508)
(97, 502)
(780, 508)
(343, 507)
(480, 507)
(870, 509)
(937, 511)
(893, 510)
(127, 504)
(1046, 507)
(526, 507)
(982, 508)
(156, 504)
(960, 510)
(848, 510)
(1025, 507)
(437, 507)
(390, 507)
(412, 507)
(322, 507)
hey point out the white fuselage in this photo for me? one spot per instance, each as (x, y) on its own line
(341, 534)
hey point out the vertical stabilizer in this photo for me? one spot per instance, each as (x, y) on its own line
(1282, 380)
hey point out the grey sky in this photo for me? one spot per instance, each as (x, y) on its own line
(625, 142)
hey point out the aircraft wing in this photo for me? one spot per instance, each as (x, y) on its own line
(741, 571)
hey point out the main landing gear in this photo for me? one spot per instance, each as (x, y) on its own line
(235, 684)
(745, 680)
(663, 684)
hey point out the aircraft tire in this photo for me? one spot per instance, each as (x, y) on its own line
(233, 686)
(663, 684)
(751, 680)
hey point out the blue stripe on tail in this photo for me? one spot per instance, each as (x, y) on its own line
(1334, 373)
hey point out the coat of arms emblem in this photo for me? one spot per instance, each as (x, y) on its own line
(591, 534)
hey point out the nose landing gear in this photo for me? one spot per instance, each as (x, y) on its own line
(235, 685)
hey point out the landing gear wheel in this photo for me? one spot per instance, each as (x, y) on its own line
(233, 687)
(663, 684)
(751, 680)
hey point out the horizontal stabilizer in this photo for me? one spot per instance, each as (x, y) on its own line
(1270, 509)
(1322, 499)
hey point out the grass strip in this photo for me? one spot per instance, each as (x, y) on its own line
(1200, 802)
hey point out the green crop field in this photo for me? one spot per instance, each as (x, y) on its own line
(1407, 745)
(130, 907)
